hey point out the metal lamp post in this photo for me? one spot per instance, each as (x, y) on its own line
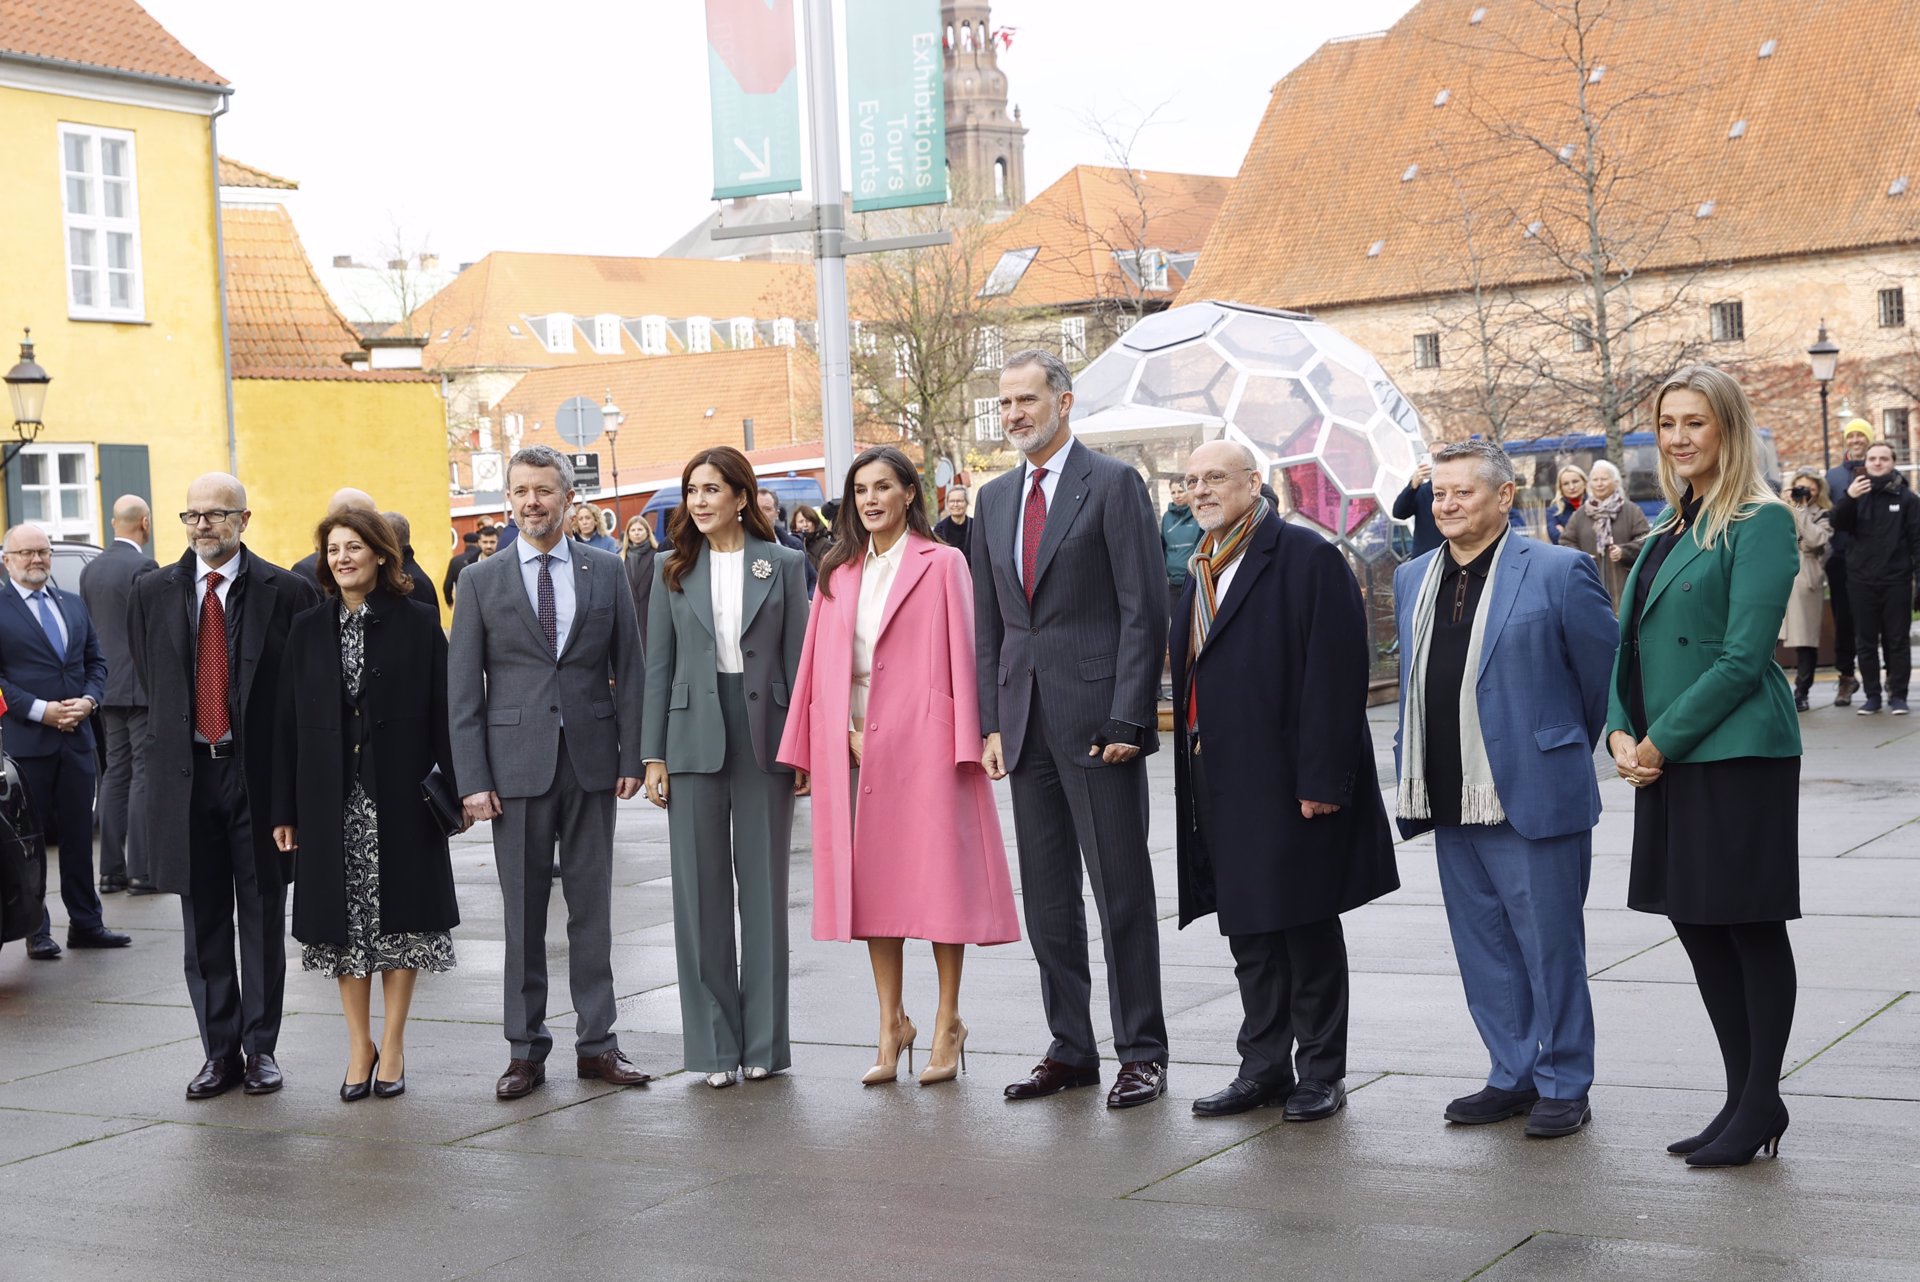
(610, 420)
(27, 389)
(1825, 357)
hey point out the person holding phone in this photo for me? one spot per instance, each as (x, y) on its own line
(1882, 513)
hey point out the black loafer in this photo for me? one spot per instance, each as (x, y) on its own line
(1491, 1104)
(1241, 1096)
(112, 884)
(216, 1077)
(1551, 1118)
(1312, 1101)
(141, 886)
(100, 938)
(42, 948)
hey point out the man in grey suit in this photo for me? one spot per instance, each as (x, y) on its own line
(1070, 604)
(543, 746)
(106, 585)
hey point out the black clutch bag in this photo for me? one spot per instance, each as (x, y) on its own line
(448, 811)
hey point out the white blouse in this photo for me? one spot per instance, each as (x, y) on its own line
(725, 570)
(877, 574)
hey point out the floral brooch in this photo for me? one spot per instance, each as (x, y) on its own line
(763, 569)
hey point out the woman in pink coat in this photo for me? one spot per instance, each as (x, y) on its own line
(906, 841)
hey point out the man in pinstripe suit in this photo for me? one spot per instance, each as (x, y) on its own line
(1070, 621)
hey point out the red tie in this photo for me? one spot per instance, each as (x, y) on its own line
(1033, 524)
(210, 719)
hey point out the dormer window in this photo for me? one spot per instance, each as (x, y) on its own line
(699, 333)
(740, 332)
(783, 335)
(558, 332)
(606, 334)
(653, 336)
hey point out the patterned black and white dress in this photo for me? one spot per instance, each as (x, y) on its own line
(366, 949)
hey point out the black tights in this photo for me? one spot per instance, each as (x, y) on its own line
(1747, 981)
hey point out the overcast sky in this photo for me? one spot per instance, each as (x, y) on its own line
(580, 126)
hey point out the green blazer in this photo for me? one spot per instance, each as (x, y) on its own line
(1712, 688)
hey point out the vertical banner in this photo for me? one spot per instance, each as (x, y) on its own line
(753, 78)
(897, 95)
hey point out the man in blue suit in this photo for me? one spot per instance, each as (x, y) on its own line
(54, 677)
(1506, 647)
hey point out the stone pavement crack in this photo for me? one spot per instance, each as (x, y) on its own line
(1503, 1255)
(1630, 956)
(1844, 1036)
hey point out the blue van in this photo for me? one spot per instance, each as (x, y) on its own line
(1537, 465)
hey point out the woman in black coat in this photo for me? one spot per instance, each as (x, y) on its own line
(637, 553)
(362, 722)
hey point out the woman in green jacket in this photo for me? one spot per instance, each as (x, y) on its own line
(1701, 723)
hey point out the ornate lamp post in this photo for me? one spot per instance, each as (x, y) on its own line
(27, 389)
(610, 420)
(1825, 357)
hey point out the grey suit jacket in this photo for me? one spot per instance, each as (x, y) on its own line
(683, 723)
(1092, 639)
(507, 695)
(106, 585)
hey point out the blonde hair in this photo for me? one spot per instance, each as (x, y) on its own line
(1821, 499)
(1739, 488)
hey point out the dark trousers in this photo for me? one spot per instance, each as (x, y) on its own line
(1843, 642)
(123, 792)
(237, 1001)
(1062, 812)
(1806, 660)
(1882, 619)
(61, 785)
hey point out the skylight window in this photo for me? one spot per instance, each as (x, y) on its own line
(1566, 152)
(1594, 77)
(1473, 19)
(1373, 250)
(1412, 172)
(1739, 129)
(1705, 210)
(1533, 229)
(1006, 273)
(1767, 48)
(514, 330)
(1440, 99)
(1899, 186)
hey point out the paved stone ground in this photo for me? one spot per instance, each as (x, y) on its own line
(107, 1172)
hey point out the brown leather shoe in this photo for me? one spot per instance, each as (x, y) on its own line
(1141, 1081)
(216, 1077)
(521, 1077)
(1050, 1077)
(614, 1068)
(263, 1075)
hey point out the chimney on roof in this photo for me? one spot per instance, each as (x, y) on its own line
(429, 262)
(343, 260)
(396, 264)
(465, 265)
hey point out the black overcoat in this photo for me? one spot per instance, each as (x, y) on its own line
(1283, 717)
(390, 738)
(160, 635)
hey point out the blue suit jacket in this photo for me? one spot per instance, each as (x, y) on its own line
(30, 670)
(1542, 685)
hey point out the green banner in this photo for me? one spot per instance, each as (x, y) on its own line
(896, 95)
(753, 78)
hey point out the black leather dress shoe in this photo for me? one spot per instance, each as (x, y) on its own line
(1241, 1096)
(112, 884)
(1141, 1081)
(42, 948)
(1312, 1101)
(1552, 1118)
(263, 1075)
(1050, 1077)
(141, 886)
(216, 1077)
(1491, 1104)
(98, 938)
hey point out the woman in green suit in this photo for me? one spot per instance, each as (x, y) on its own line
(1701, 723)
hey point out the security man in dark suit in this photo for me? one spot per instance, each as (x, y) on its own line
(208, 633)
(106, 585)
(54, 677)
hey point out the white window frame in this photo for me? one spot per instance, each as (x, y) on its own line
(653, 335)
(992, 351)
(699, 333)
(740, 332)
(606, 334)
(100, 227)
(559, 332)
(784, 332)
(987, 424)
(1073, 339)
(85, 526)
(1727, 321)
(1892, 306)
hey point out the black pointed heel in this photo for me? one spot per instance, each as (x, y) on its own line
(354, 1092)
(1735, 1152)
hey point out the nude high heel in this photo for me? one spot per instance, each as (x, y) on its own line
(933, 1073)
(888, 1070)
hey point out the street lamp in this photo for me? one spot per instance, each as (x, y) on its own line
(27, 389)
(1825, 356)
(610, 420)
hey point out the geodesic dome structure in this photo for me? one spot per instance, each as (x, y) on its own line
(1332, 434)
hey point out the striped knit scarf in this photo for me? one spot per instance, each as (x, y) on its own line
(1211, 556)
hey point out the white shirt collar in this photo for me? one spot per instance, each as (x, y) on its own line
(26, 593)
(137, 547)
(1058, 462)
(232, 570)
(893, 555)
(528, 552)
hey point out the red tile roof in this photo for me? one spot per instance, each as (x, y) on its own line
(1829, 116)
(234, 173)
(115, 35)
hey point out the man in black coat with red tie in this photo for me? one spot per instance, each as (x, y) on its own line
(207, 634)
(1281, 826)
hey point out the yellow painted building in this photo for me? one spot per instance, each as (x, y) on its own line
(109, 252)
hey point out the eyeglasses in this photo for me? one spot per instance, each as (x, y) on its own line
(33, 554)
(213, 516)
(1213, 480)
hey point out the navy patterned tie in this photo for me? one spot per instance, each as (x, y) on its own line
(549, 615)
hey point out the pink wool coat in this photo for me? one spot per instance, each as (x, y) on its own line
(921, 857)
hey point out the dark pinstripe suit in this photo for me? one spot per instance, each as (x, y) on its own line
(1053, 673)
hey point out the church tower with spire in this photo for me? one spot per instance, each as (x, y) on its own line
(985, 143)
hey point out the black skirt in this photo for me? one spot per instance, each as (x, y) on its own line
(1717, 843)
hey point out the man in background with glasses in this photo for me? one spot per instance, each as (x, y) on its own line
(54, 677)
(207, 635)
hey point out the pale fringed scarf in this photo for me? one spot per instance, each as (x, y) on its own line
(1602, 512)
(1479, 803)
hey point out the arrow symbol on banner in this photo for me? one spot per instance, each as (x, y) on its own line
(762, 163)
